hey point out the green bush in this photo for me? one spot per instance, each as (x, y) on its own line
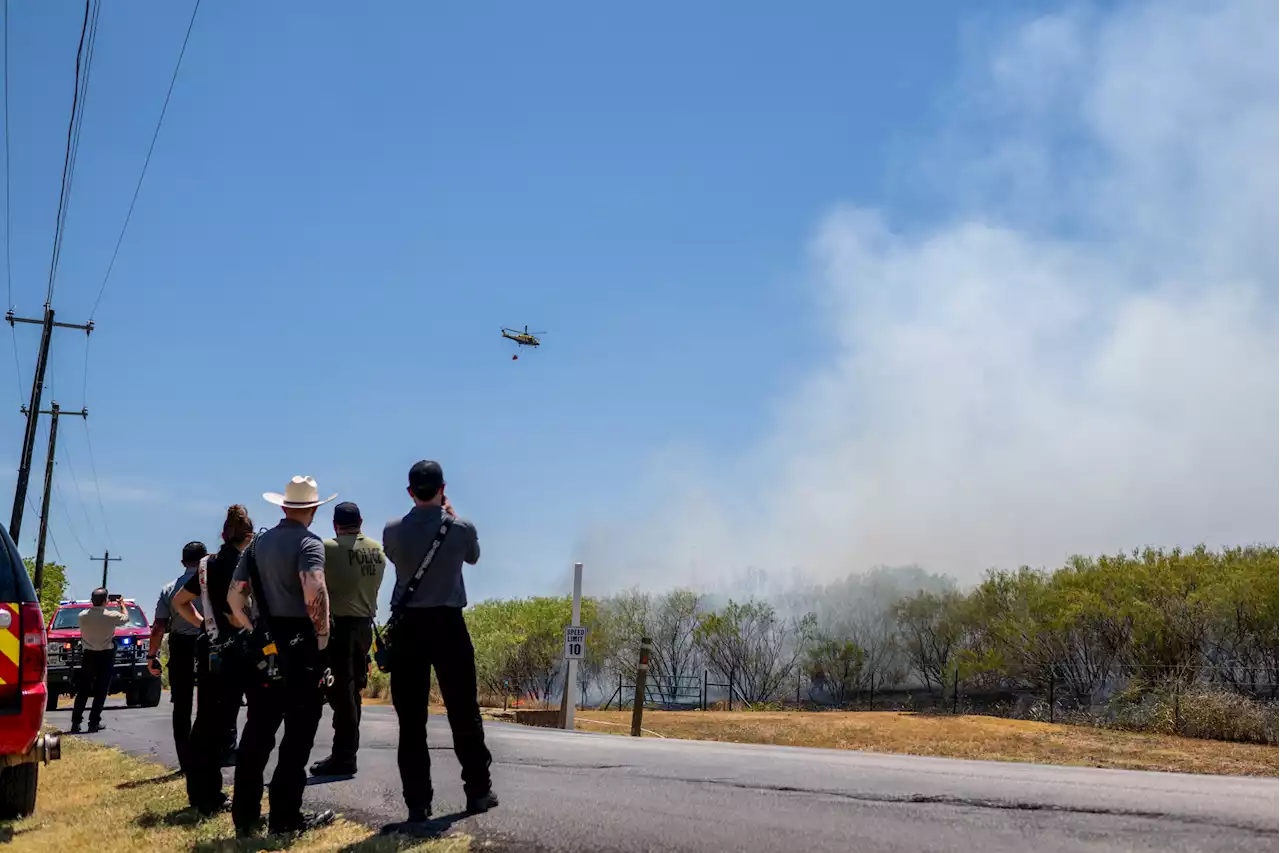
(1198, 712)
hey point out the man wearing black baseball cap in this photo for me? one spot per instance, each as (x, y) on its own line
(182, 651)
(429, 546)
(353, 568)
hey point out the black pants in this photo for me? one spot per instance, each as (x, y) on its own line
(296, 702)
(182, 691)
(233, 724)
(93, 679)
(220, 693)
(348, 656)
(426, 637)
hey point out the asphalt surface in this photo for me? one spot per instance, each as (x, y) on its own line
(576, 791)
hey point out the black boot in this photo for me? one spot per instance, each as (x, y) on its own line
(482, 803)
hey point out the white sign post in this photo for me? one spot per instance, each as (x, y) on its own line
(575, 644)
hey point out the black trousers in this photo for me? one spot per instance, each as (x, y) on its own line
(348, 657)
(182, 691)
(93, 679)
(220, 694)
(233, 703)
(426, 637)
(296, 702)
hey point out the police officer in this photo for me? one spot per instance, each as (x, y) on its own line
(182, 652)
(283, 572)
(353, 568)
(430, 631)
(219, 662)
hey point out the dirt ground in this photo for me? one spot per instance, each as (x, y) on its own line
(974, 737)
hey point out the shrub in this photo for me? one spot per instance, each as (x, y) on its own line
(1198, 712)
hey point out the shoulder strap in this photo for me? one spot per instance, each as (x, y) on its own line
(254, 580)
(446, 521)
(206, 605)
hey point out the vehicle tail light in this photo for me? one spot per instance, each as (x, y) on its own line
(32, 662)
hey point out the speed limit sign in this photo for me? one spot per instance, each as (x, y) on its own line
(575, 642)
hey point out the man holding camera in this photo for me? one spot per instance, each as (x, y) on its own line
(98, 625)
(429, 546)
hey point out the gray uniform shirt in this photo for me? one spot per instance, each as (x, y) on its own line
(164, 607)
(406, 541)
(283, 552)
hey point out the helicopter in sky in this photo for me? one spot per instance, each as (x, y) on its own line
(524, 339)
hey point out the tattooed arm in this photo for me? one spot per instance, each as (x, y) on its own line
(238, 604)
(238, 593)
(314, 590)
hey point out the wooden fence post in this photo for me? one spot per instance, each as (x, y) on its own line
(642, 675)
(1051, 680)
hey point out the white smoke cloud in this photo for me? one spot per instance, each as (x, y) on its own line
(1085, 360)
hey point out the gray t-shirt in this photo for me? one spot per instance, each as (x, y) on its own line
(164, 607)
(406, 542)
(284, 552)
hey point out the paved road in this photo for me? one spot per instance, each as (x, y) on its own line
(588, 792)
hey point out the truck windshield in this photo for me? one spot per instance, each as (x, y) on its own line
(68, 618)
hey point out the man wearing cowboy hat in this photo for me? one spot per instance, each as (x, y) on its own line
(284, 572)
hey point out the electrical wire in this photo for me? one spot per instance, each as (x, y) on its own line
(145, 163)
(8, 254)
(93, 465)
(8, 269)
(73, 136)
(71, 528)
(52, 541)
(84, 507)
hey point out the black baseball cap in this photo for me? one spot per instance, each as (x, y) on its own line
(346, 514)
(193, 551)
(426, 478)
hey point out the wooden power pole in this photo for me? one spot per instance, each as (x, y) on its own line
(55, 412)
(37, 390)
(106, 558)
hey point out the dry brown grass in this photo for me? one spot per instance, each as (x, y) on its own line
(96, 798)
(988, 738)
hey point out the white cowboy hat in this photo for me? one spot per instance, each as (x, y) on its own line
(301, 493)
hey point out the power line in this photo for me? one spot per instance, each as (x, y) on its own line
(68, 161)
(84, 507)
(52, 541)
(62, 505)
(93, 465)
(145, 163)
(8, 265)
(8, 269)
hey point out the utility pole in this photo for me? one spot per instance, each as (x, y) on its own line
(55, 412)
(106, 558)
(37, 390)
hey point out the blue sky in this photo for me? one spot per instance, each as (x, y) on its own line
(343, 209)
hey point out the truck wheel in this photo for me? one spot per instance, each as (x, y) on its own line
(150, 693)
(18, 790)
(132, 697)
(51, 701)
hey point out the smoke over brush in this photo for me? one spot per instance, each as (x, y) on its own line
(1083, 362)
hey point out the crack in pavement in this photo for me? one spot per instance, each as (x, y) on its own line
(978, 803)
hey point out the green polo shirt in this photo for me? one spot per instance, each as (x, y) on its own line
(353, 567)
